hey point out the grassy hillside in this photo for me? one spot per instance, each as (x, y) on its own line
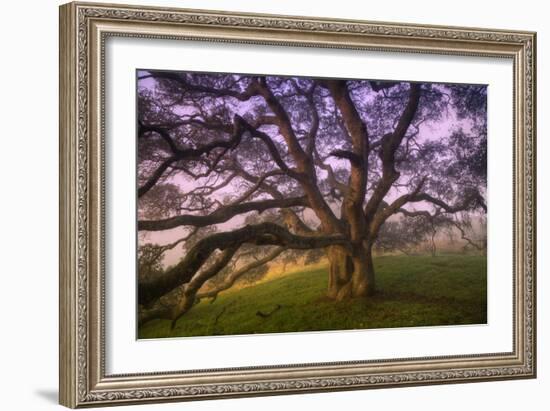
(412, 291)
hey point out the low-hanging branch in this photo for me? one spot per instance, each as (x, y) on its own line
(191, 292)
(235, 275)
(185, 299)
(259, 234)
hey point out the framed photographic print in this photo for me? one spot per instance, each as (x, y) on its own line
(258, 204)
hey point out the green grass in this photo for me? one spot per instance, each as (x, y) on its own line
(411, 291)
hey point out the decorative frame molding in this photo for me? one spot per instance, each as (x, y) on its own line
(83, 30)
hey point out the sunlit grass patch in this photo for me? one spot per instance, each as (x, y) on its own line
(412, 291)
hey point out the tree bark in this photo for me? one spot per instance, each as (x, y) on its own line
(340, 271)
(371, 278)
(351, 274)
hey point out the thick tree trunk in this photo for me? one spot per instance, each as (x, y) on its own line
(363, 283)
(433, 247)
(371, 277)
(350, 275)
(340, 271)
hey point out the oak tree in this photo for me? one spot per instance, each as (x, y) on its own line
(262, 165)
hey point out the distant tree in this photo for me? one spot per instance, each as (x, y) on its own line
(407, 234)
(473, 232)
(401, 235)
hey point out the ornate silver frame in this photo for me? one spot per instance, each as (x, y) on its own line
(83, 30)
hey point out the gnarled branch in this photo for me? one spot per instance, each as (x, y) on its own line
(390, 143)
(235, 275)
(193, 153)
(220, 215)
(260, 234)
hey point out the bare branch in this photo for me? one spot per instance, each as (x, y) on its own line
(220, 215)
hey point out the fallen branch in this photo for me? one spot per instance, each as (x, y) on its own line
(265, 315)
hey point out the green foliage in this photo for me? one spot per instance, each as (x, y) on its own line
(149, 262)
(412, 291)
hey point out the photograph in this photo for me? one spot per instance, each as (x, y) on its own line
(276, 204)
